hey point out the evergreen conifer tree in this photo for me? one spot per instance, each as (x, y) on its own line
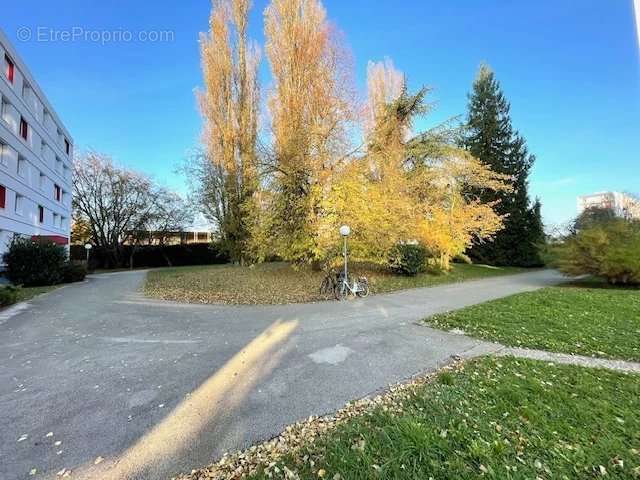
(491, 138)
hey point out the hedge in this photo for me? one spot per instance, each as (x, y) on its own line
(151, 255)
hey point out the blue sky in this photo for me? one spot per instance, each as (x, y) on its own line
(570, 69)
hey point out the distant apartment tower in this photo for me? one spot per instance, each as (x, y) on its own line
(35, 158)
(622, 204)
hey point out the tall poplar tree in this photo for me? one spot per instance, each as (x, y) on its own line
(229, 105)
(311, 112)
(491, 138)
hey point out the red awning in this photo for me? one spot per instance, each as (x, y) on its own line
(59, 239)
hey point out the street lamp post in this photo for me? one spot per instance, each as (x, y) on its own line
(345, 231)
(88, 248)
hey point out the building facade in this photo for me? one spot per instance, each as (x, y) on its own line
(36, 152)
(622, 204)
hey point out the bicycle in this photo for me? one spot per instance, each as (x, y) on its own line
(328, 285)
(345, 285)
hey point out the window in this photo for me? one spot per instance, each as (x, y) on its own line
(40, 213)
(22, 167)
(58, 165)
(6, 111)
(57, 191)
(10, 68)
(67, 146)
(25, 90)
(3, 196)
(56, 220)
(24, 128)
(19, 204)
(42, 180)
(3, 155)
(47, 120)
(63, 222)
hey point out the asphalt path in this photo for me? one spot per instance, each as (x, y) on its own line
(99, 381)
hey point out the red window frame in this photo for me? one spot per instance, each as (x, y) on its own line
(10, 68)
(24, 128)
(3, 196)
(57, 192)
(41, 213)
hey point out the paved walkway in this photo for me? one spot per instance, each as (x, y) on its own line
(619, 365)
(97, 379)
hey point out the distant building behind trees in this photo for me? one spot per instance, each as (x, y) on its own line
(623, 205)
(200, 230)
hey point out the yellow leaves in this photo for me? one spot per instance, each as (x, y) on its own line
(311, 108)
(229, 102)
(314, 182)
(309, 103)
(384, 85)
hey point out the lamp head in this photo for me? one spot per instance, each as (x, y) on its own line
(345, 231)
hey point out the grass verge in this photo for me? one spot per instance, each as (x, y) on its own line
(490, 418)
(278, 283)
(23, 294)
(27, 293)
(583, 318)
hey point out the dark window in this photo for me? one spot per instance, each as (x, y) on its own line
(57, 192)
(10, 68)
(3, 196)
(41, 213)
(24, 128)
(67, 146)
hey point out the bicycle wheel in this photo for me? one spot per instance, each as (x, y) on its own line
(326, 287)
(363, 290)
(340, 291)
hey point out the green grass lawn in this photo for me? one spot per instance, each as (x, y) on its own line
(27, 293)
(585, 319)
(497, 418)
(277, 283)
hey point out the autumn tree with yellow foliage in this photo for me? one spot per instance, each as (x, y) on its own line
(401, 187)
(407, 187)
(230, 107)
(311, 108)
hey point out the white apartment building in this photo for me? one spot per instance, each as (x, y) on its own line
(35, 158)
(622, 204)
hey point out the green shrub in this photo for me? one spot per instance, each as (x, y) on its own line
(8, 295)
(550, 253)
(34, 263)
(593, 216)
(609, 250)
(72, 272)
(408, 259)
